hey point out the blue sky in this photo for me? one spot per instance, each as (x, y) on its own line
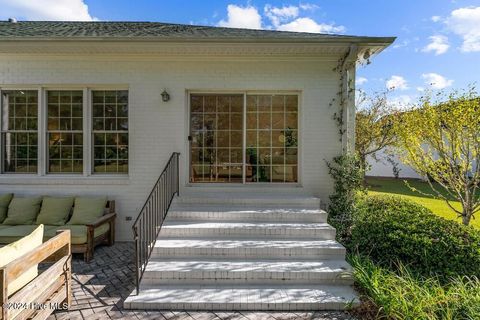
(438, 43)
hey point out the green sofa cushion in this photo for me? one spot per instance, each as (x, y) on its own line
(87, 210)
(9, 234)
(55, 210)
(23, 210)
(4, 202)
(78, 233)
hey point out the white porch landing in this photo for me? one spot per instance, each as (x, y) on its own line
(257, 252)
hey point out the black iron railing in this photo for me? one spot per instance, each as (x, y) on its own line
(149, 221)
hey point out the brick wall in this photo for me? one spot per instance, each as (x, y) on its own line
(157, 129)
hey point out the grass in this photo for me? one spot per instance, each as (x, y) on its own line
(398, 187)
(400, 295)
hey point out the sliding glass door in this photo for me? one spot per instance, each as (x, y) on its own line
(243, 138)
(216, 138)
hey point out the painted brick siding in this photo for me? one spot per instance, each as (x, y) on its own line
(157, 129)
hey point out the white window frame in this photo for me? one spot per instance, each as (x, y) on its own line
(45, 132)
(42, 161)
(187, 161)
(2, 156)
(91, 155)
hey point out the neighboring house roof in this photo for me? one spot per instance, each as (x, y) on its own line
(155, 31)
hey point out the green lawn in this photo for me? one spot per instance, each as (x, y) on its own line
(399, 187)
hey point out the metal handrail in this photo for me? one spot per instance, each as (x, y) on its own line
(149, 221)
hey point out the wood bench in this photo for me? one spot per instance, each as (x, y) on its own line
(48, 291)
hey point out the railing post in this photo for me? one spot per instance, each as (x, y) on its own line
(137, 275)
(178, 173)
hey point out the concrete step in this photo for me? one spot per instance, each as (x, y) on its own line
(249, 213)
(230, 250)
(186, 271)
(307, 249)
(228, 229)
(278, 199)
(236, 297)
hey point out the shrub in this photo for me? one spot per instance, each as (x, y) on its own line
(347, 173)
(391, 229)
(400, 295)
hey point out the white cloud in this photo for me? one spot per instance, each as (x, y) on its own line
(397, 82)
(279, 15)
(402, 102)
(242, 17)
(436, 18)
(308, 6)
(465, 22)
(438, 44)
(67, 10)
(404, 43)
(309, 25)
(360, 81)
(420, 89)
(436, 81)
(286, 18)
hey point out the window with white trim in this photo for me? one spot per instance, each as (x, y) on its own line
(110, 131)
(65, 131)
(20, 131)
(55, 126)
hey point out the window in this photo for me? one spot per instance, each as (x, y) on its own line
(20, 131)
(54, 126)
(272, 138)
(65, 131)
(110, 131)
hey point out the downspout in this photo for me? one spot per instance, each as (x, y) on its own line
(348, 99)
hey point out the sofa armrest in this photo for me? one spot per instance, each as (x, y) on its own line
(109, 217)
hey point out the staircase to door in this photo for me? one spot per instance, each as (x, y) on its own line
(250, 252)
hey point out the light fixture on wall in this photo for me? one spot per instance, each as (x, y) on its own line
(165, 95)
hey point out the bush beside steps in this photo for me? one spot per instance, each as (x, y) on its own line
(391, 229)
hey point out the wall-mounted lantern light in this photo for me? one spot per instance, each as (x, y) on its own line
(165, 95)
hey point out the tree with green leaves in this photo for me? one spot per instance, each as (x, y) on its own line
(373, 125)
(440, 140)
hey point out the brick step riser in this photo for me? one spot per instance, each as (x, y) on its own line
(249, 233)
(250, 253)
(159, 278)
(276, 218)
(312, 306)
(301, 203)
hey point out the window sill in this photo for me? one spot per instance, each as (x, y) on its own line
(64, 180)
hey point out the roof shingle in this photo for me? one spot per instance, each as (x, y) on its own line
(31, 30)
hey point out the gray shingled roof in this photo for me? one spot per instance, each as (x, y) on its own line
(32, 30)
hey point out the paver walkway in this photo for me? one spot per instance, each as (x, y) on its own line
(100, 287)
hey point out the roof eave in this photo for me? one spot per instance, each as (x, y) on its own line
(373, 41)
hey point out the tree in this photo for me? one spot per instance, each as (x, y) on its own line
(374, 125)
(440, 139)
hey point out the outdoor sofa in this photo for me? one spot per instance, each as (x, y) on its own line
(91, 220)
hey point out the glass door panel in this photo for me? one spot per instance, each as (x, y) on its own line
(272, 138)
(216, 130)
(217, 133)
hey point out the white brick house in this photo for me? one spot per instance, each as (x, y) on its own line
(98, 108)
(71, 74)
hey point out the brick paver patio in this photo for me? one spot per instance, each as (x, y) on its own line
(100, 287)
